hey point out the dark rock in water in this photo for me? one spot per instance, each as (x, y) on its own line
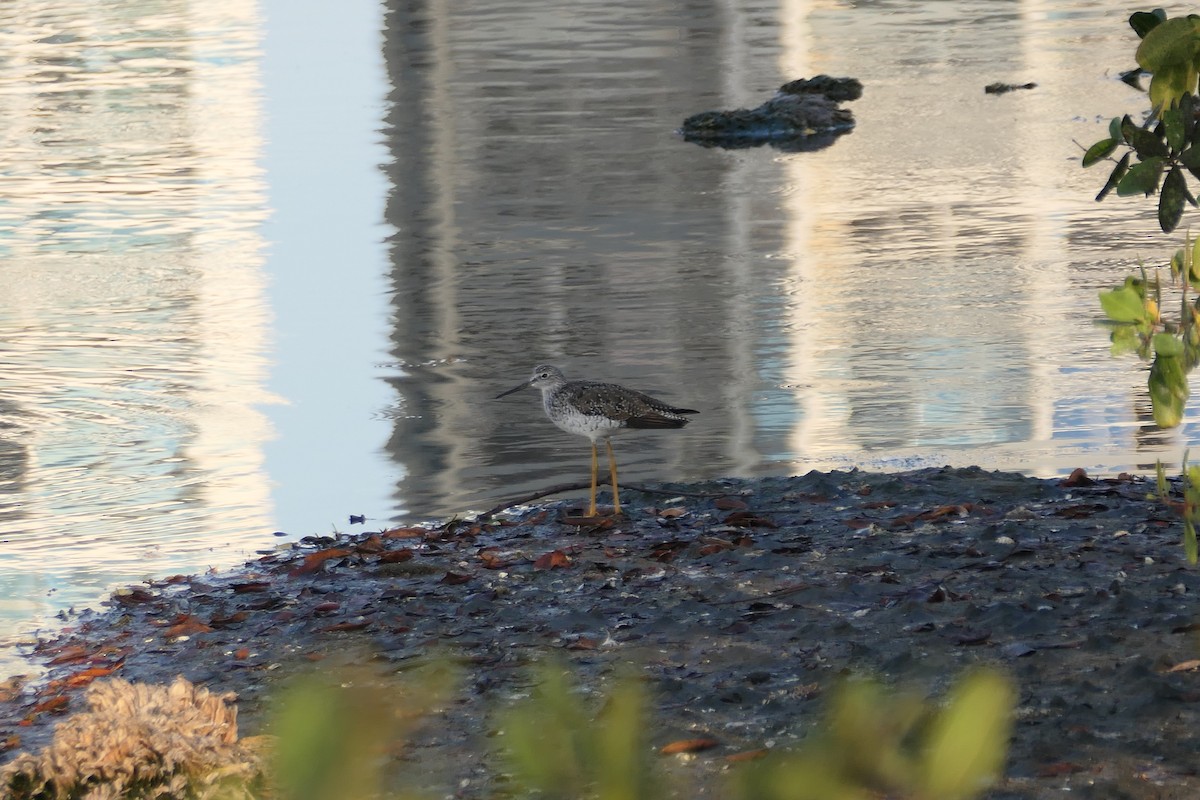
(840, 89)
(1001, 88)
(803, 115)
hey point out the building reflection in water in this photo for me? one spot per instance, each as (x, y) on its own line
(133, 321)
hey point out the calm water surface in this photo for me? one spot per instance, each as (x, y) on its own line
(249, 288)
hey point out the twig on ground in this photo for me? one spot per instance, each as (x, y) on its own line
(570, 487)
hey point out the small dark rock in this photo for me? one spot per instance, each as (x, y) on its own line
(803, 115)
(1002, 88)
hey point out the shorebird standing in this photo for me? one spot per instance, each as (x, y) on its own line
(599, 410)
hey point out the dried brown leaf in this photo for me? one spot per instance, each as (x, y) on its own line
(688, 746)
(222, 621)
(583, 643)
(73, 653)
(371, 545)
(84, 677)
(1078, 477)
(404, 533)
(133, 595)
(313, 561)
(356, 625)
(250, 586)
(746, 519)
(55, 705)
(552, 560)
(396, 556)
(186, 625)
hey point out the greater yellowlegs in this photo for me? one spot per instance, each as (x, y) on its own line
(598, 410)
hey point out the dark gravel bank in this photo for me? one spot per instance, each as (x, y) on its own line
(742, 600)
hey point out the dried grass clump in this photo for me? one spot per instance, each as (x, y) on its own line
(140, 741)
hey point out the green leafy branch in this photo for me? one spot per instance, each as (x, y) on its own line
(1166, 143)
(1167, 148)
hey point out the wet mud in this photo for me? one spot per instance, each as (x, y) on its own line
(742, 602)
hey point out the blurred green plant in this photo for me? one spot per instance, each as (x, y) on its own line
(875, 744)
(337, 730)
(872, 743)
(1167, 148)
(1189, 508)
(560, 751)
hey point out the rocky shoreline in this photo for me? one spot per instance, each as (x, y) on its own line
(741, 601)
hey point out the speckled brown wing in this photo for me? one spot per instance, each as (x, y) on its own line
(635, 409)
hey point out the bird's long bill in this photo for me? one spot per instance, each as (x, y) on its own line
(524, 385)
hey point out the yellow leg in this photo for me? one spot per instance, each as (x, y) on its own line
(595, 479)
(612, 468)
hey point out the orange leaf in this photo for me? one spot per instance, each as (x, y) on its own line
(86, 676)
(688, 746)
(491, 559)
(747, 755)
(555, 558)
(73, 653)
(672, 513)
(1186, 666)
(583, 643)
(220, 620)
(372, 544)
(346, 626)
(455, 578)
(313, 561)
(54, 705)
(396, 556)
(1078, 477)
(879, 504)
(404, 533)
(946, 511)
(186, 625)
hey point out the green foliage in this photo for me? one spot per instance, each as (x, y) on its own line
(1170, 51)
(1143, 22)
(1167, 149)
(558, 750)
(1166, 143)
(335, 734)
(872, 743)
(1128, 304)
(1168, 381)
(335, 729)
(1190, 508)
(876, 744)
